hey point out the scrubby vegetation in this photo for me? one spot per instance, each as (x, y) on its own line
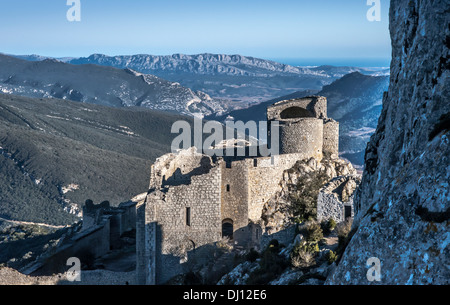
(345, 234)
(22, 199)
(22, 244)
(328, 226)
(304, 254)
(271, 265)
(331, 256)
(304, 199)
(47, 145)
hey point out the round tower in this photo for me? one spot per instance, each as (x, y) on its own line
(301, 126)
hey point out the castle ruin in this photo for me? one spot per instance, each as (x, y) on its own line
(195, 199)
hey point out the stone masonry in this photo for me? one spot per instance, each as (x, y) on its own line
(194, 200)
(336, 199)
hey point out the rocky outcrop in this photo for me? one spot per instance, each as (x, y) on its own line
(277, 213)
(403, 204)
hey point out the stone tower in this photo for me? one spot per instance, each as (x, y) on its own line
(304, 127)
(194, 200)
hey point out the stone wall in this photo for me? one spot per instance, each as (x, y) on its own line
(93, 242)
(176, 169)
(315, 105)
(304, 136)
(143, 264)
(331, 137)
(337, 196)
(101, 231)
(235, 193)
(176, 235)
(264, 180)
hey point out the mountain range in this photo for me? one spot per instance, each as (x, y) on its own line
(101, 85)
(238, 80)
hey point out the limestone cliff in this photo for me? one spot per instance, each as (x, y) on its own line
(403, 203)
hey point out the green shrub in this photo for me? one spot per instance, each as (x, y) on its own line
(331, 257)
(304, 199)
(271, 265)
(314, 233)
(302, 259)
(312, 248)
(328, 226)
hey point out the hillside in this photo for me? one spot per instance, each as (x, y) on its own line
(100, 85)
(55, 154)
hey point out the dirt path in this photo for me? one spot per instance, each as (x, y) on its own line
(31, 224)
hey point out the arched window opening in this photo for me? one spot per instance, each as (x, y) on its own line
(295, 113)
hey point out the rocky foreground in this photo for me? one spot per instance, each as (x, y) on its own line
(404, 205)
(10, 276)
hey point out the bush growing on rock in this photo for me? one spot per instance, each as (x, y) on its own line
(271, 265)
(328, 226)
(344, 229)
(314, 233)
(302, 259)
(331, 257)
(304, 199)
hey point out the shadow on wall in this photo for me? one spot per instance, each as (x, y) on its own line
(211, 261)
(178, 178)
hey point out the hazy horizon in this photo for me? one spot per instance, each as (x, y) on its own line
(283, 30)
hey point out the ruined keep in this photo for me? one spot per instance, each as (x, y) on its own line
(194, 200)
(304, 127)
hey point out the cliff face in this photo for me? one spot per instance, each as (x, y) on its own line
(403, 203)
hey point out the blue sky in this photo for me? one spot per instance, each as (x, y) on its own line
(286, 30)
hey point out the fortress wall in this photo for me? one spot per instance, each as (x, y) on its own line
(303, 136)
(331, 137)
(203, 197)
(168, 235)
(235, 193)
(337, 196)
(264, 180)
(329, 206)
(93, 242)
(128, 216)
(173, 168)
(96, 241)
(143, 263)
